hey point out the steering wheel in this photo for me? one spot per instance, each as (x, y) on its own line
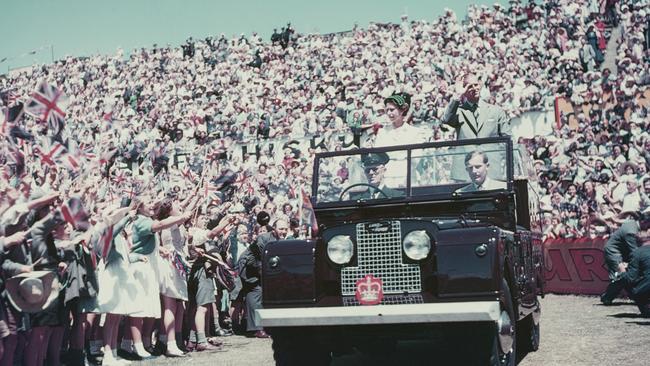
(365, 185)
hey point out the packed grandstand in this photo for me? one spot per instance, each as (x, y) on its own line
(314, 92)
(241, 119)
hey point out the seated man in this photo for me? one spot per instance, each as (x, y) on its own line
(477, 165)
(374, 165)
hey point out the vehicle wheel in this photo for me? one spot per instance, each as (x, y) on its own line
(529, 334)
(504, 349)
(294, 349)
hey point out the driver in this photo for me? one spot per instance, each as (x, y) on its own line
(476, 165)
(374, 166)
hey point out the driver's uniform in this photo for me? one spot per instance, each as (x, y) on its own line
(372, 193)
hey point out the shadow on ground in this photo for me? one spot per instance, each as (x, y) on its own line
(627, 315)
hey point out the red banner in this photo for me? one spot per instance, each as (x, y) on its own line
(575, 266)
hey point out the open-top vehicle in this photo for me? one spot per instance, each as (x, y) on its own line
(413, 241)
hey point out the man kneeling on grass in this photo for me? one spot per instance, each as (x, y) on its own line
(637, 277)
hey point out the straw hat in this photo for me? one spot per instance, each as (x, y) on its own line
(34, 291)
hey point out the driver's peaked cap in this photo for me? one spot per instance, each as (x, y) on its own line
(372, 160)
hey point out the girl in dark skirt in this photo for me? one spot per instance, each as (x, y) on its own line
(46, 337)
(8, 315)
(200, 284)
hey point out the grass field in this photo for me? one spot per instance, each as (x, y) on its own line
(576, 330)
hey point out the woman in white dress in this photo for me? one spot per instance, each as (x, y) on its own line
(117, 290)
(144, 262)
(173, 270)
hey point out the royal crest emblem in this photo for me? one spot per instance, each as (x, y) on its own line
(369, 290)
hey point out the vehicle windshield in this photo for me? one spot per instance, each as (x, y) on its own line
(451, 169)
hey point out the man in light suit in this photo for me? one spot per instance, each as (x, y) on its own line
(476, 164)
(473, 118)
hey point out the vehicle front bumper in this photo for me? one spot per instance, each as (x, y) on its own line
(449, 312)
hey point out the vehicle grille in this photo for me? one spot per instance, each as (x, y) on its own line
(380, 254)
(389, 300)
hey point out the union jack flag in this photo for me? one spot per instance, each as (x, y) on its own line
(209, 188)
(108, 118)
(211, 193)
(86, 151)
(15, 157)
(249, 189)
(6, 125)
(119, 177)
(187, 173)
(307, 208)
(181, 264)
(10, 117)
(292, 192)
(13, 98)
(240, 180)
(71, 161)
(216, 154)
(137, 187)
(50, 154)
(75, 155)
(86, 249)
(131, 192)
(7, 172)
(74, 213)
(9, 97)
(105, 240)
(242, 184)
(47, 104)
(106, 156)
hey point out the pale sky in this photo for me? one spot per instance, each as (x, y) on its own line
(85, 27)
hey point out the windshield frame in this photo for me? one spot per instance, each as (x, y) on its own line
(408, 197)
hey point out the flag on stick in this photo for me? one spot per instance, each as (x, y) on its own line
(308, 209)
(47, 104)
(74, 213)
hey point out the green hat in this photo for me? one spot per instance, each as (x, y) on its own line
(401, 100)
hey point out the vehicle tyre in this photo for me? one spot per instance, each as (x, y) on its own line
(294, 349)
(504, 343)
(529, 334)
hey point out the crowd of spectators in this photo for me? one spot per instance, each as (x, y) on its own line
(224, 132)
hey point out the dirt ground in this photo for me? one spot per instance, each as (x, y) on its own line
(575, 330)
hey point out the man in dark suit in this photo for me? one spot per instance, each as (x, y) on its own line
(374, 165)
(477, 164)
(637, 278)
(618, 252)
(249, 267)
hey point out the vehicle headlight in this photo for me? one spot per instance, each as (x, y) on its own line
(340, 249)
(417, 245)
